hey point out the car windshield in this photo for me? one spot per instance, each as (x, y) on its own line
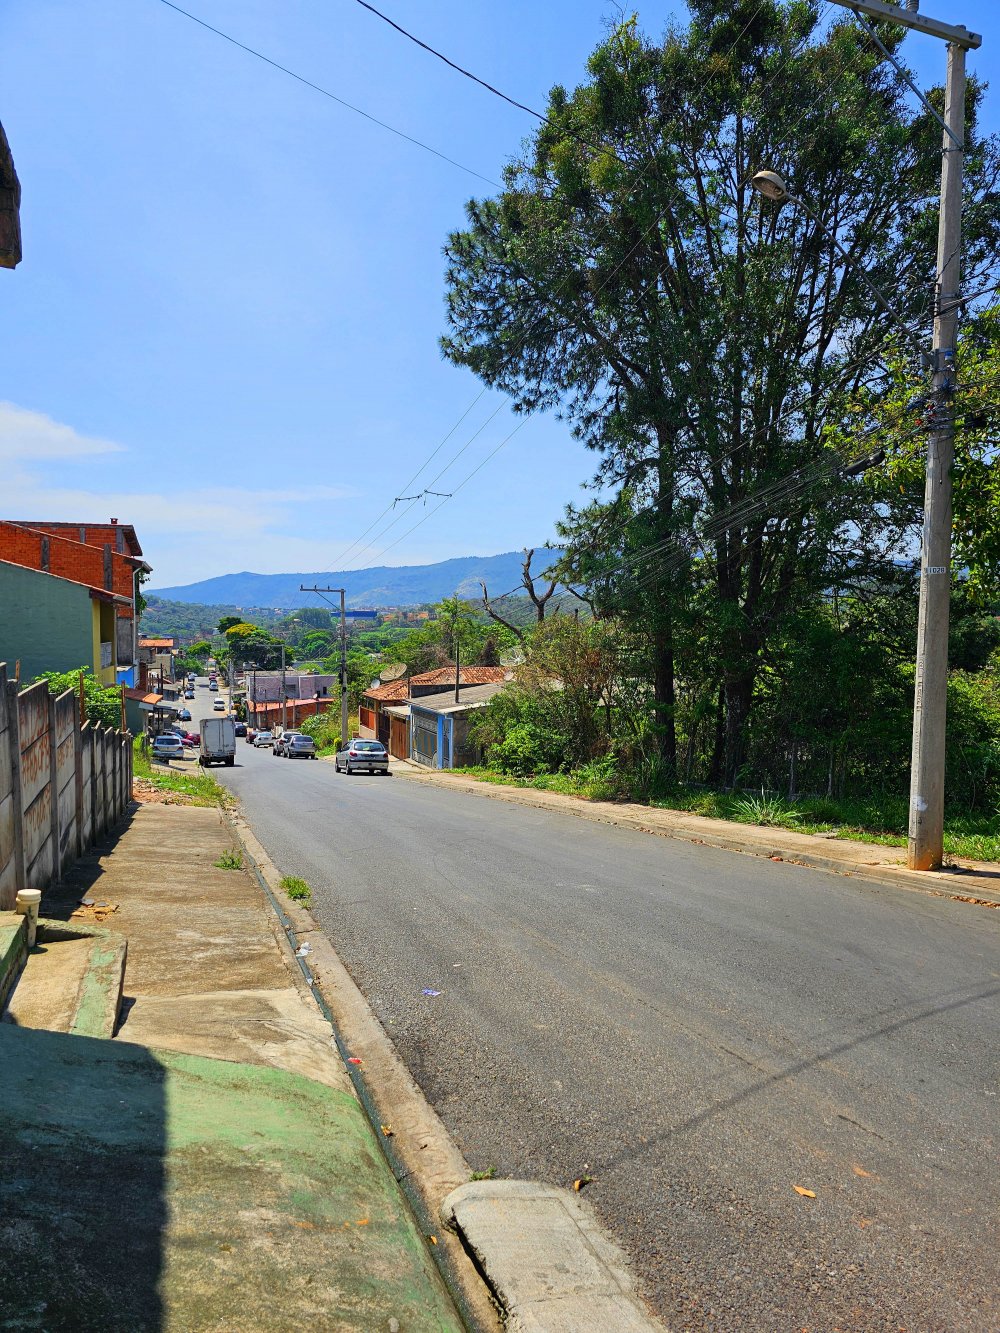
(368, 747)
(263, 734)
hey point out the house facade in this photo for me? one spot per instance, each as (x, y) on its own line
(122, 566)
(388, 711)
(48, 623)
(109, 571)
(439, 726)
(269, 700)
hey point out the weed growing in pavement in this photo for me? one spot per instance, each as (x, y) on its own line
(230, 861)
(488, 1174)
(296, 888)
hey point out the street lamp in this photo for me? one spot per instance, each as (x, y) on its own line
(773, 187)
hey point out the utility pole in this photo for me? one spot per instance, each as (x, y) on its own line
(370, 615)
(344, 738)
(925, 846)
(458, 670)
(284, 696)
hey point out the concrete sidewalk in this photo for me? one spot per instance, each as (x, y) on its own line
(210, 1167)
(971, 881)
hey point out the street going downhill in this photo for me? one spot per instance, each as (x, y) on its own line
(702, 1034)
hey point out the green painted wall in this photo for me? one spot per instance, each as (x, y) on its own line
(46, 622)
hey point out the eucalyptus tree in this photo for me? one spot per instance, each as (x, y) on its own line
(700, 339)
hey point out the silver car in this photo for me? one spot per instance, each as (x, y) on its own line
(168, 746)
(262, 740)
(298, 746)
(362, 757)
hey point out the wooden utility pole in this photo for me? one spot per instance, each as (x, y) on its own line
(925, 847)
(344, 738)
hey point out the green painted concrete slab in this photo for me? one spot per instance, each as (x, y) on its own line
(144, 1190)
(12, 950)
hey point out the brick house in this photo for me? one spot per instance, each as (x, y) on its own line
(122, 561)
(103, 556)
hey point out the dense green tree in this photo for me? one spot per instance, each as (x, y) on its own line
(316, 643)
(227, 623)
(249, 643)
(313, 617)
(699, 339)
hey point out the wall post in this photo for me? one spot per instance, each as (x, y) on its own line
(14, 740)
(54, 790)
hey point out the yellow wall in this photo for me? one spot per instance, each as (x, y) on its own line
(104, 632)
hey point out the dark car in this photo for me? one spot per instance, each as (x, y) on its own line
(241, 729)
(362, 757)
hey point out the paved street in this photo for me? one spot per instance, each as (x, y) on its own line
(699, 1032)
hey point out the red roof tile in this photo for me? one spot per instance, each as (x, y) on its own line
(470, 675)
(391, 690)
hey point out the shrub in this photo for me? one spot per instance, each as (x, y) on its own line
(764, 809)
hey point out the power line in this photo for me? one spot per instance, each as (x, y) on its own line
(451, 63)
(325, 92)
(525, 335)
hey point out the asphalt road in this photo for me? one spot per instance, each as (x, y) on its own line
(699, 1032)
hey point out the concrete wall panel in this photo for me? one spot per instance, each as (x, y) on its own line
(7, 866)
(66, 709)
(33, 713)
(91, 769)
(35, 770)
(38, 842)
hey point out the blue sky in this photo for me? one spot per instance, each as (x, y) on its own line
(225, 326)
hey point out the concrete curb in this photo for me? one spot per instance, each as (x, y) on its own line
(423, 1157)
(768, 843)
(542, 1249)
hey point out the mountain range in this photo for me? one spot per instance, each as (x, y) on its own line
(381, 586)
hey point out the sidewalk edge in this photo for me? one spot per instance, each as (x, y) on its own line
(424, 1159)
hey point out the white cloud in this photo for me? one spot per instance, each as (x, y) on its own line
(188, 531)
(29, 435)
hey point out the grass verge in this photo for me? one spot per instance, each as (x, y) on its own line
(880, 820)
(197, 788)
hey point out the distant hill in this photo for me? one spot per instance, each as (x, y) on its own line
(404, 585)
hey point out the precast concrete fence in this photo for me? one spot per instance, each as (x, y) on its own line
(63, 785)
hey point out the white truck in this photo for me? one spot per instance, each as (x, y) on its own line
(218, 741)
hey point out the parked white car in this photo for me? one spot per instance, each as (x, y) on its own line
(362, 757)
(262, 740)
